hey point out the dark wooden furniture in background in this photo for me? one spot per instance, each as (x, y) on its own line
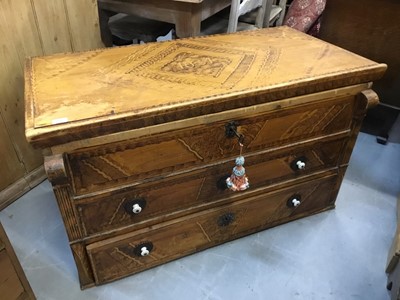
(370, 28)
(140, 140)
(13, 282)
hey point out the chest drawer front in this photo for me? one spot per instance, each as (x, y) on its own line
(204, 187)
(95, 169)
(134, 252)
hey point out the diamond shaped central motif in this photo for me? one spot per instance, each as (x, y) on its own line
(189, 63)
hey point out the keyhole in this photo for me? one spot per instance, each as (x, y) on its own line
(226, 219)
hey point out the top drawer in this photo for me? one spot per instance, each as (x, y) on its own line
(94, 169)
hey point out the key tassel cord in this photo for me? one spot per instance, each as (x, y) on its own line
(238, 181)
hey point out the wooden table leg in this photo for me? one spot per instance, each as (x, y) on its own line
(188, 24)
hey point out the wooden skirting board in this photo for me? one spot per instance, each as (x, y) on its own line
(22, 186)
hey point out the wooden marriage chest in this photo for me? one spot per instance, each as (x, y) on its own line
(139, 141)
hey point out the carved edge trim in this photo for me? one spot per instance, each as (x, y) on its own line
(362, 102)
(85, 270)
(68, 212)
(55, 169)
(371, 97)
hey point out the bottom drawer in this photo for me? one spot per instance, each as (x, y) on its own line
(133, 252)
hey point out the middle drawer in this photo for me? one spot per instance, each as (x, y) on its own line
(151, 203)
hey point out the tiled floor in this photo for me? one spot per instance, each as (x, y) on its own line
(339, 254)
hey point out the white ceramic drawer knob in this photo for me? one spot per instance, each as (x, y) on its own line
(144, 251)
(296, 202)
(301, 165)
(136, 208)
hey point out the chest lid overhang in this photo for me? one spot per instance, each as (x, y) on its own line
(80, 95)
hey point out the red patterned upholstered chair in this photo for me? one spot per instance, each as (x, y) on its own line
(305, 15)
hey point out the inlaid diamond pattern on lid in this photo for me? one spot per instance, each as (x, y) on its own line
(214, 67)
(188, 63)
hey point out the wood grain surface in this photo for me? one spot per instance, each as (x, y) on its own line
(129, 83)
(114, 258)
(33, 28)
(97, 168)
(198, 190)
(147, 126)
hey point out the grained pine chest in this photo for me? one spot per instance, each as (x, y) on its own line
(140, 140)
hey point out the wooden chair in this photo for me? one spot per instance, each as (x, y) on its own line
(274, 14)
(242, 7)
(277, 13)
(246, 15)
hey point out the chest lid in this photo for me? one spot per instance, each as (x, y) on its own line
(80, 95)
